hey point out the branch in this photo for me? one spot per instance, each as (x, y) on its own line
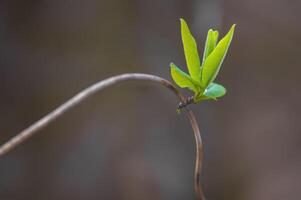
(90, 91)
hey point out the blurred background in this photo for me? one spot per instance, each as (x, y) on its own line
(127, 142)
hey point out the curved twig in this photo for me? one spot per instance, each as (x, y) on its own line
(55, 114)
(199, 155)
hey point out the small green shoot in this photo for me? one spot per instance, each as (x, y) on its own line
(201, 76)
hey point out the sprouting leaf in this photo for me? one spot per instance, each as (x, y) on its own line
(214, 61)
(191, 52)
(214, 91)
(211, 41)
(201, 78)
(182, 79)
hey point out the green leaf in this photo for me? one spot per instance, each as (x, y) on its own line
(214, 61)
(182, 79)
(214, 91)
(211, 42)
(191, 52)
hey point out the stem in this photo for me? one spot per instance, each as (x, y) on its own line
(189, 100)
(90, 91)
(199, 155)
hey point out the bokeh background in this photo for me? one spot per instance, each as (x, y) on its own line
(127, 142)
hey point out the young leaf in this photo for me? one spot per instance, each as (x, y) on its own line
(191, 52)
(210, 44)
(214, 61)
(182, 79)
(214, 91)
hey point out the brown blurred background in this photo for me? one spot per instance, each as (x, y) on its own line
(127, 142)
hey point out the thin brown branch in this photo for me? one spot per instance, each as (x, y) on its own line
(90, 91)
(199, 155)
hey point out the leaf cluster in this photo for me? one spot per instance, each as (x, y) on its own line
(202, 74)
